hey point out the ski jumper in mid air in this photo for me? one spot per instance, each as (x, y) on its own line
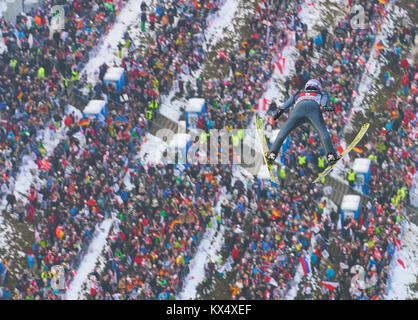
(308, 103)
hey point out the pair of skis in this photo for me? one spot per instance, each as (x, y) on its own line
(260, 131)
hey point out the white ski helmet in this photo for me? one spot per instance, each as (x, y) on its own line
(313, 84)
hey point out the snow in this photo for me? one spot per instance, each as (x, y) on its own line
(6, 231)
(263, 173)
(94, 107)
(208, 250)
(89, 261)
(69, 109)
(210, 246)
(152, 150)
(28, 170)
(172, 109)
(127, 181)
(401, 279)
(218, 23)
(350, 202)
(413, 193)
(107, 52)
(371, 80)
(361, 165)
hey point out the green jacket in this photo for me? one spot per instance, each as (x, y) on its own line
(321, 162)
(351, 175)
(301, 160)
(41, 72)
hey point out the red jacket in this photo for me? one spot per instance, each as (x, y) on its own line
(235, 253)
(405, 81)
(68, 121)
(91, 202)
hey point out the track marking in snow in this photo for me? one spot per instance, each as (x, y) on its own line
(89, 261)
(402, 279)
(212, 35)
(208, 250)
(108, 49)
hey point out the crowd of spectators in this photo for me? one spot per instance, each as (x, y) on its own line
(80, 184)
(37, 66)
(340, 62)
(368, 246)
(162, 219)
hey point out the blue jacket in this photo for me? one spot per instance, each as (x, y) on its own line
(124, 195)
(330, 273)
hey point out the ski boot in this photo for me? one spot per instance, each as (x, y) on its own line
(270, 157)
(332, 158)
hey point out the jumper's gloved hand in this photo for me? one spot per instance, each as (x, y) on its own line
(278, 114)
(328, 108)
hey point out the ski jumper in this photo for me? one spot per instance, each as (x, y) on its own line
(307, 108)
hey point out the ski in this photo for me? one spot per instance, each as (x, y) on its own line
(259, 124)
(350, 147)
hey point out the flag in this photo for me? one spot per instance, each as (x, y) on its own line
(398, 243)
(343, 265)
(349, 225)
(264, 104)
(173, 223)
(304, 264)
(330, 285)
(84, 122)
(384, 1)
(401, 263)
(113, 236)
(369, 146)
(273, 282)
(358, 150)
(325, 254)
(19, 95)
(156, 235)
(59, 232)
(280, 63)
(45, 164)
(316, 217)
(340, 149)
(355, 94)
(379, 46)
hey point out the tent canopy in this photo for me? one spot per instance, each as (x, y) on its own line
(94, 107)
(113, 74)
(350, 203)
(361, 165)
(195, 105)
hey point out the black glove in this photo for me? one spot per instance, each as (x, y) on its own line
(278, 114)
(328, 108)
